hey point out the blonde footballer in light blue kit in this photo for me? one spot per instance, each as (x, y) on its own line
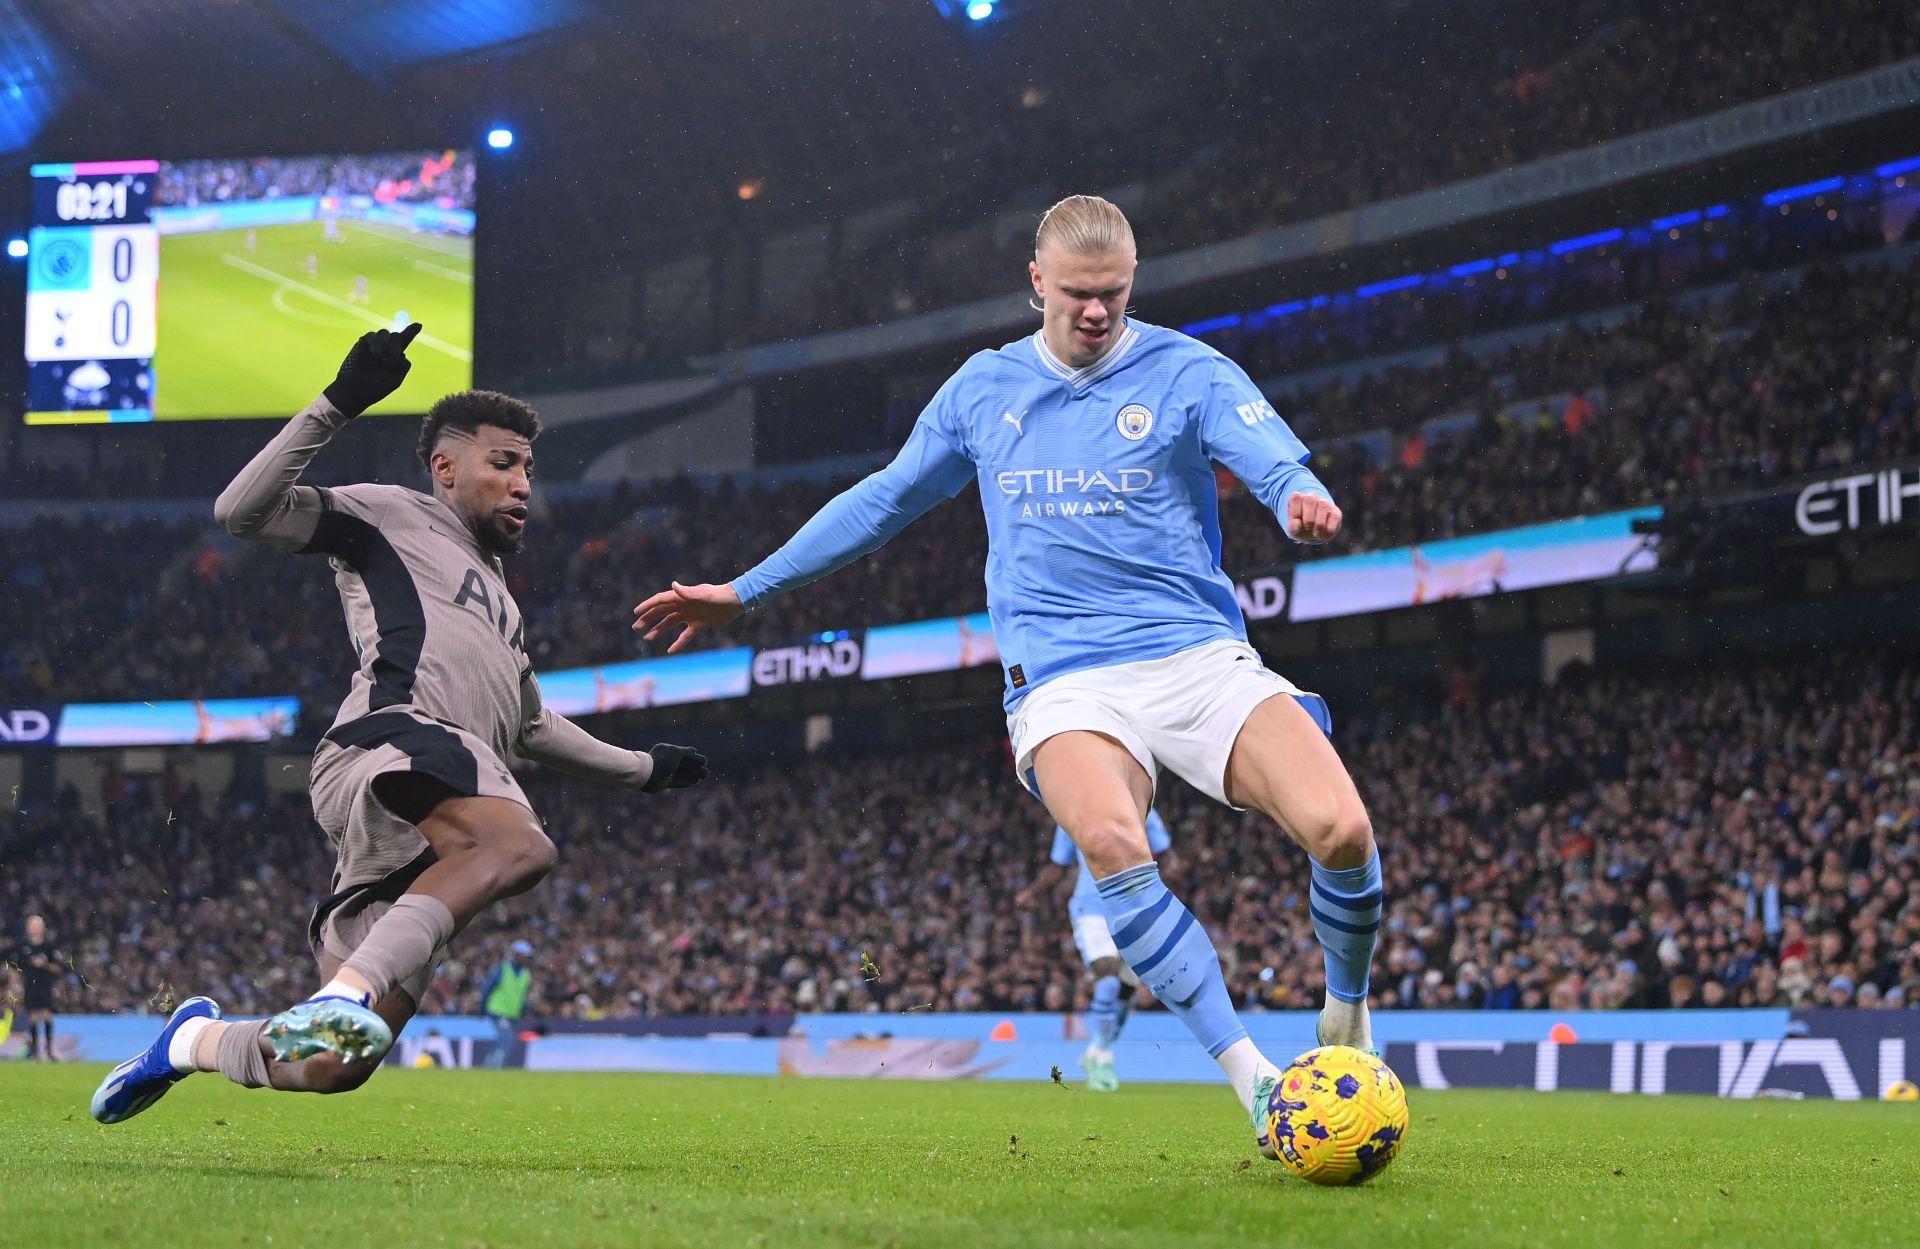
(1093, 442)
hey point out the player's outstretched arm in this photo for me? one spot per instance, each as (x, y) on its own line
(265, 502)
(550, 739)
(858, 520)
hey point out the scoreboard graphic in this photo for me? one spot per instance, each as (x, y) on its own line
(215, 289)
(93, 275)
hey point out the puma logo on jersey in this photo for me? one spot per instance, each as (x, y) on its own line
(474, 590)
(1014, 421)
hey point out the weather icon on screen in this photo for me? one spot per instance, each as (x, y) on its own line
(87, 384)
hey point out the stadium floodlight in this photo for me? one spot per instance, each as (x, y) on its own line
(17, 248)
(980, 10)
(499, 137)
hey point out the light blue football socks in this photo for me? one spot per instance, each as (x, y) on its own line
(1104, 1014)
(1172, 954)
(1345, 905)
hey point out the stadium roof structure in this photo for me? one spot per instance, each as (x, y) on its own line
(123, 55)
(378, 36)
(823, 104)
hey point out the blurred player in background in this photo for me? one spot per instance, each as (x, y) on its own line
(1093, 442)
(39, 961)
(410, 783)
(1114, 982)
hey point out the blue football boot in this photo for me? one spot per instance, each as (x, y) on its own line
(145, 1078)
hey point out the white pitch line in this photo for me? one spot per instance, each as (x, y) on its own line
(311, 318)
(462, 249)
(354, 309)
(452, 275)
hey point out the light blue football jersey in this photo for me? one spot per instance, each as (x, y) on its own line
(1103, 515)
(1086, 897)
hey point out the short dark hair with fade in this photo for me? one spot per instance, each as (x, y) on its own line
(467, 410)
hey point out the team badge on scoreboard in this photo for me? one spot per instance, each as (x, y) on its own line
(1134, 422)
(63, 261)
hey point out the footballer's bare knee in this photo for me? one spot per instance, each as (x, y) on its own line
(522, 856)
(1343, 840)
(498, 838)
(1112, 844)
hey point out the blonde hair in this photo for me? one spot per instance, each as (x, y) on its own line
(1086, 225)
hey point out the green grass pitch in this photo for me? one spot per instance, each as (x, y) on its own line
(251, 333)
(502, 1159)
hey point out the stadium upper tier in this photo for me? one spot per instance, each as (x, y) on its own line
(880, 182)
(1755, 382)
(1741, 835)
(1471, 101)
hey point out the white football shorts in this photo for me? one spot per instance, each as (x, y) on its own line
(1181, 713)
(1094, 939)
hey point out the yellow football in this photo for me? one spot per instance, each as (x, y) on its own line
(1902, 1091)
(1337, 1115)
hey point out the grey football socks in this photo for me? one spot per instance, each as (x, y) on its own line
(238, 1054)
(402, 942)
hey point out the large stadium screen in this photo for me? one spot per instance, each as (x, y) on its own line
(191, 290)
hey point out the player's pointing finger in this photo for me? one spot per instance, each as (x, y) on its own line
(409, 334)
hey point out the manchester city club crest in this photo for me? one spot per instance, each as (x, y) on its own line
(1134, 421)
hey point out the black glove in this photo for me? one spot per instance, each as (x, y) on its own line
(675, 767)
(373, 370)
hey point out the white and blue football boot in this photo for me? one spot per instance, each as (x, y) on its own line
(344, 1027)
(145, 1078)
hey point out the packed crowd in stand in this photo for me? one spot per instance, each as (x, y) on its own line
(1464, 104)
(414, 177)
(1710, 836)
(1537, 287)
(1675, 401)
(71, 591)
(1678, 398)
